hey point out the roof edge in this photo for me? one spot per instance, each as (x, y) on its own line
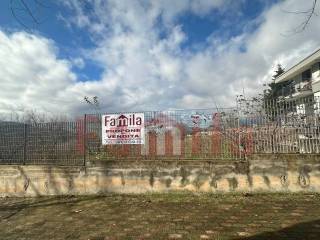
(282, 77)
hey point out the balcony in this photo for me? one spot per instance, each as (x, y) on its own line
(300, 89)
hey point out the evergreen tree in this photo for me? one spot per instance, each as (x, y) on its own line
(275, 88)
(271, 95)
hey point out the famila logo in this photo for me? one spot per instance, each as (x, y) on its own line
(130, 120)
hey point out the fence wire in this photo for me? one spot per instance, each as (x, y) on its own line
(42, 143)
(183, 134)
(253, 127)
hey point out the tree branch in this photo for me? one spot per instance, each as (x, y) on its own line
(309, 14)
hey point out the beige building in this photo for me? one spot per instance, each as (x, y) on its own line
(302, 83)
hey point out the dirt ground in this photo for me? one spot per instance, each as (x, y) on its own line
(162, 216)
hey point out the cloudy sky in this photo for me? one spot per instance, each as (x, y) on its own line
(144, 54)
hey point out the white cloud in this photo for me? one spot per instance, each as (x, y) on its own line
(222, 70)
(31, 74)
(145, 67)
(78, 62)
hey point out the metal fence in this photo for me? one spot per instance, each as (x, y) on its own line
(253, 127)
(183, 134)
(43, 143)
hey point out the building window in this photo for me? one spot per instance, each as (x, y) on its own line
(306, 75)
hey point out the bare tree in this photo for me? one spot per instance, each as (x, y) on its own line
(94, 103)
(309, 14)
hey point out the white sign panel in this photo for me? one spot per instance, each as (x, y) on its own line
(125, 128)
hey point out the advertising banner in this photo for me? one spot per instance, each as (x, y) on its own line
(124, 128)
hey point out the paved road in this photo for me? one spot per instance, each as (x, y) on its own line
(162, 216)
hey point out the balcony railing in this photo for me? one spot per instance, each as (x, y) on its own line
(296, 89)
(303, 86)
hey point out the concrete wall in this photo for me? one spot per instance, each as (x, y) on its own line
(261, 173)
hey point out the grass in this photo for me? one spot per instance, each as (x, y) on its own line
(176, 215)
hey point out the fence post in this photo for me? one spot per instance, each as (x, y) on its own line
(24, 143)
(84, 139)
(239, 137)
